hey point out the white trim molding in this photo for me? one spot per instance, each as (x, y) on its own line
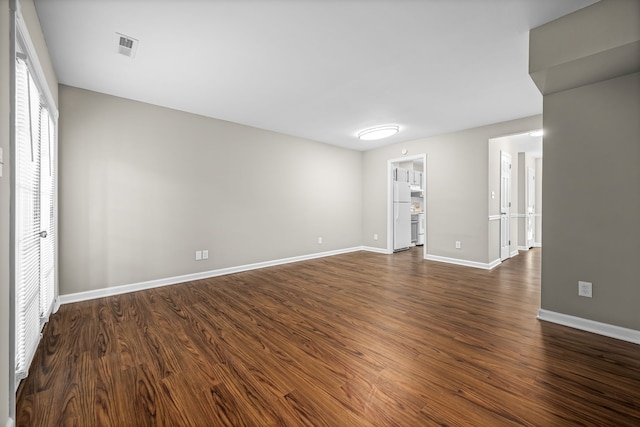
(494, 217)
(24, 39)
(493, 264)
(464, 262)
(10, 422)
(537, 244)
(377, 250)
(133, 287)
(612, 331)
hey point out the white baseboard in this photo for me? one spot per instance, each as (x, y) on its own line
(493, 264)
(514, 253)
(526, 248)
(464, 262)
(612, 331)
(10, 423)
(123, 289)
(134, 287)
(376, 250)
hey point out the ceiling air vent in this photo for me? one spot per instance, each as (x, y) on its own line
(127, 46)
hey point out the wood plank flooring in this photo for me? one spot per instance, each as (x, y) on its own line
(360, 339)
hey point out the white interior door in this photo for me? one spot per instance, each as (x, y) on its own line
(531, 206)
(505, 205)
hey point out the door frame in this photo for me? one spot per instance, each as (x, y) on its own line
(390, 165)
(505, 204)
(531, 207)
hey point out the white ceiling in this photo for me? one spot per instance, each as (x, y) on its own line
(317, 69)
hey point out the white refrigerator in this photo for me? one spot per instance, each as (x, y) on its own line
(401, 215)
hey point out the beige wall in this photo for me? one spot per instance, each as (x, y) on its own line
(591, 186)
(457, 194)
(593, 44)
(592, 201)
(5, 194)
(143, 187)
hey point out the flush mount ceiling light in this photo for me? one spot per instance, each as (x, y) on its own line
(378, 132)
(536, 133)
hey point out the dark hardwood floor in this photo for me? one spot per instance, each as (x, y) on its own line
(359, 339)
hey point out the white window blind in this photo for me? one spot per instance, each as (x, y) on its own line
(34, 216)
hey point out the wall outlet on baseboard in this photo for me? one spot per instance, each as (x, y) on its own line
(585, 289)
(458, 244)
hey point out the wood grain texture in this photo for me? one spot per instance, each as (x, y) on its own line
(360, 339)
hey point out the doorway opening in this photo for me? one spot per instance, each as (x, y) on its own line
(407, 213)
(515, 195)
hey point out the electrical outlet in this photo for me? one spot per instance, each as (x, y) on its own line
(198, 255)
(458, 244)
(319, 240)
(205, 254)
(585, 289)
(375, 237)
